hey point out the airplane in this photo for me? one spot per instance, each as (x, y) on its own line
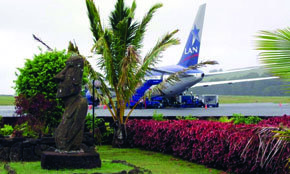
(188, 79)
(190, 54)
(189, 57)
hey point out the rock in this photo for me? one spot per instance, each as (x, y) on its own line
(38, 151)
(84, 147)
(48, 141)
(16, 152)
(43, 147)
(4, 153)
(51, 149)
(28, 154)
(55, 160)
(91, 149)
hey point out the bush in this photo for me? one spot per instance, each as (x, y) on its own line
(6, 130)
(25, 130)
(188, 117)
(157, 116)
(253, 120)
(239, 119)
(89, 121)
(46, 111)
(36, 88)
(215, 144)
(224, 119)
(36, 77)
(276, 121)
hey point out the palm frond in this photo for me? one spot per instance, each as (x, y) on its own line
(142, 27)
(275, 47)
(153, 56)
(120, 12)
(271, 145)
(94, 18)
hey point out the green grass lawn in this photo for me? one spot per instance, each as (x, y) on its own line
(153, 161)
(253, 99)
(6, 100)
(156, 162)
(35, 168)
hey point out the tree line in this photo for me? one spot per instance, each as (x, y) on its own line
(272, 87)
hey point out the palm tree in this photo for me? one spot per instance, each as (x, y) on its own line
(275, 47)
(119, 46)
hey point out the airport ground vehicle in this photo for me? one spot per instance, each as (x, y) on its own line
(179, 101)
(183, 101)
(210, 100)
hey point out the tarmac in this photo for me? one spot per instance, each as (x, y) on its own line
(247, 109)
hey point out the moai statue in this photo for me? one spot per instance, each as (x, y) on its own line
(69, 133)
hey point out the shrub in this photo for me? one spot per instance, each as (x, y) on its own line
(224, 119)
(46, 111)
(276, 121)
(157, 116)
(36, 77)
(188, 117)
(239, 119)
(36, 88)
(89, 121)
(215, 144)
(25, 130)
(6, 130)
(253, 120)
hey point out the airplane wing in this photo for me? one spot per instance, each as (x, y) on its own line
(231, 71)
(162, 71)
(206, 84)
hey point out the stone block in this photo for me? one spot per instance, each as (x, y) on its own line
(4, 153)
(55, 160)
(28, 154)
(48, 141)
(16, 152)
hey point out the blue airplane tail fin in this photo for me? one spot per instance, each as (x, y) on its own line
(191, 51)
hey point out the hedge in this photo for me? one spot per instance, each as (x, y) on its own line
(215, 144)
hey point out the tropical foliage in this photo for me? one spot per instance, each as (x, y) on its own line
(236, 148)
(275, 47)
(36, 89)
(118, 46)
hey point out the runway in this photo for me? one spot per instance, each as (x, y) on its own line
(247, 109)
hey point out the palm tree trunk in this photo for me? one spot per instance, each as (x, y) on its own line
(120, 133)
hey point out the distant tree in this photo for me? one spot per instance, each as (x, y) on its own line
(275, 47)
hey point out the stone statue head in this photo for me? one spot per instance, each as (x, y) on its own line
(70, 78)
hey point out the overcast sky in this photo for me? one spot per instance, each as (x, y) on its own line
(227, 37)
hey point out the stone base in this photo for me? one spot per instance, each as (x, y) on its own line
(55, 160)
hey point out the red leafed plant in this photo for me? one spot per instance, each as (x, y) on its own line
(235, 148)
